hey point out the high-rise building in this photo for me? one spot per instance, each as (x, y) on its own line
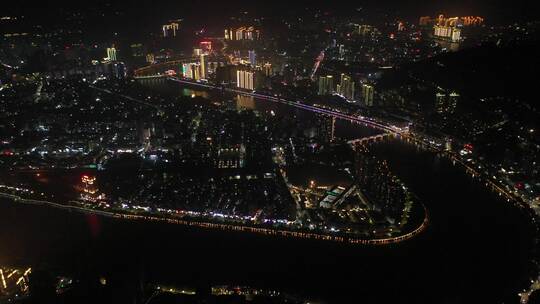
(365, 29)
(169, 30)
(111, 54)
(242, 33)
(206, 46)
(197, 52)
(383, 191)
(341, 52)
(456, 35)
(252, 58)
(268, 69)
(196, 71)
(245, 79)
(453, 99)
(326, 128)
(204, 67)
(447, 32)
(117, 70)
(446, 103)
(192, 71)
(440, 102)
(186, 70)
(326, 85)
(367, 95)
(89, 189)
(150, 58)
(346, 87)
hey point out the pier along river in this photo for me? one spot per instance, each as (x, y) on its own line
(476, 249)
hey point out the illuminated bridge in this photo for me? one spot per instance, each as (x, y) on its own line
(365, 140)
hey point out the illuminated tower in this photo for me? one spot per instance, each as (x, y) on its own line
(326, 85)
(89, 188)
(206, 46)
(268, 69)
(456, 35)
(111, 54)
(453, 99)
(346, 87)
(196, 71)
(197, 52)
(446, 103)
(252, 58)
(170, 29)
(150, 58)
(203, 66)
(245, 80)
(367, 95)
(186, 71)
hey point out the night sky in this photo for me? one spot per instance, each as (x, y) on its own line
(493, 10)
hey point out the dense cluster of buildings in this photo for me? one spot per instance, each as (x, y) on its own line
(14, 282)
(385, 192)
(242, 33)
(450, 28)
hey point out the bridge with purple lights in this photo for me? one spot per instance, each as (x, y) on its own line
(298, 104)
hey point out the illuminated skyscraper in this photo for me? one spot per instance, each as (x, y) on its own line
(440, 102)
(197, 52)
(111, 54)
(326, 85)
(447, 32)
(367, 95)
(206, 46)
(245, 79)
(242, 33)
(204, 67)
(186, 71)
(453, 99)
(150, 58)
(169, 30)
(252, 58)
(268, 69)
(446, 103)
(346, 87)
(90, 191)
(196, 71)
(341, 52)
(364, 29)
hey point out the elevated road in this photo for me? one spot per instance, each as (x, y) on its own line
(297, 104)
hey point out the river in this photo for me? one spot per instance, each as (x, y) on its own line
(475, 250)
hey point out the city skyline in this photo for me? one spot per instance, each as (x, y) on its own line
(279, 152)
